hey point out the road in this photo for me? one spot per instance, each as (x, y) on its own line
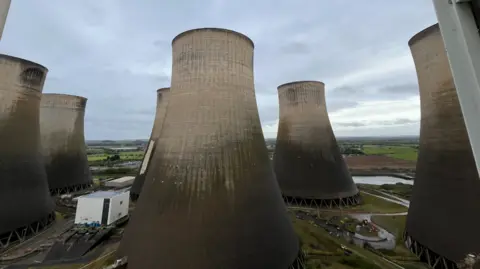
(392, 199)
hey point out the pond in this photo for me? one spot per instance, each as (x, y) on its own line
(379, 180)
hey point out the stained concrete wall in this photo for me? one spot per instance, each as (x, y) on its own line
(210, 186)
(162, 102)
(24, 195)
(446, 189)
(63, 141)
(307, 160)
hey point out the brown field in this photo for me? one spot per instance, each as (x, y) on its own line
(377, 162)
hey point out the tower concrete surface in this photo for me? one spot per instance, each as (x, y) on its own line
(308, 164)
(210, 198)
(63, 142)
(4, 7)
(162, 102)
(25, 203)
(446, 193)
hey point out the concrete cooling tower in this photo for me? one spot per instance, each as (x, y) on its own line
(63, 142)
(162, 101)
(4, 7)
(210, 198)
(309, 166)
(25, 203)
(446, 193)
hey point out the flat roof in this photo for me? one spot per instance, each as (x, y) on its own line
(100, 194)
(122, 179)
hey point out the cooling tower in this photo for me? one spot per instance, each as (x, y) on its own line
(63, 142)
(162, 101)
(4, 7)
(446, 193)
(210, 198)
(309, 166)
(25, 203)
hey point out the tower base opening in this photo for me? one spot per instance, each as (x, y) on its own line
(70, 189)
(433, 259)
(323, 203)
(25, 232)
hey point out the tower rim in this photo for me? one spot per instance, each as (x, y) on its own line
(422, 34)
(213, 29)
(163, 89)
(299, 82)
(71, 96)
(21, 60)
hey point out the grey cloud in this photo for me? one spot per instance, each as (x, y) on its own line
(404, 121)
(399, 121)
(382, 91)
(296, 48)
(162, 43)
(406, 89)
(336, 105)
(112, 52)
(351, 124)
(268, 113)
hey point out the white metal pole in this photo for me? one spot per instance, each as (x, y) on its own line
(4, 7)
(462, 42)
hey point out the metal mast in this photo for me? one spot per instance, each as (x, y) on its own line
(459, 21)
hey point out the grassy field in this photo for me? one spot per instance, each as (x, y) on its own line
(371, 204)
(396, 226)
(324, 251)
(393, 224)
(400, 190)
(130, 155)
(404, 152)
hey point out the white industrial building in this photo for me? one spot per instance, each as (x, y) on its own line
(102, 207)
(120, 182)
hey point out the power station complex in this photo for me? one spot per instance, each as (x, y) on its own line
(63, 142)
(210, 194)
(206, 193)
(308, 164)
(162, 101)
(25, 203)
(446, 193)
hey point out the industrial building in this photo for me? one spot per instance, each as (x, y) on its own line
(25, 203)
(162, 102)
(307, 161)
(102, 208)
(210, 185)
(120, 182)
(63, 142)
(443, 219)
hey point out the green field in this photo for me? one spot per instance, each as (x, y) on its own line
(126, 156)
(404, 152)
(400, 190)
(324, 251)
(393, 224)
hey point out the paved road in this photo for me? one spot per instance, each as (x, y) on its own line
(391, 239)
(392, 199)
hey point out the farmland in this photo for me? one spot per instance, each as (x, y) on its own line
(403, 152)
(125, 156)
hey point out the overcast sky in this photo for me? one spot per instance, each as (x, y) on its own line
(117, 53)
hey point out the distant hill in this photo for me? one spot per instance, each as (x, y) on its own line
(131, 142)
(379, 138)
(269, 140)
